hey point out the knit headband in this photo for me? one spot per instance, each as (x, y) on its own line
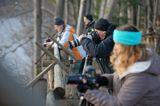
(127, 37)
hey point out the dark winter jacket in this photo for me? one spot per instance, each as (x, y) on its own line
(139, 85)
(89, 27)
(101, 50)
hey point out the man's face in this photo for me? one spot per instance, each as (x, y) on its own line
(101, 34)
(58, 28)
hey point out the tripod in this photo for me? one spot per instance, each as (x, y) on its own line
(104, 69)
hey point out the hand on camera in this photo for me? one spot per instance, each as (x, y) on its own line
(48, 43)
(80, 37)
(101, 80)
(82, 88)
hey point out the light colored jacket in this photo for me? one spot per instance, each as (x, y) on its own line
(68, 35)
(138, 86)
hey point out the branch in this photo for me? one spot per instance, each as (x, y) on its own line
(47, 11)
(51, 55)
(31, 83)
(15, 46)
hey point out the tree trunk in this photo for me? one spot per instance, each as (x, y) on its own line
(138, 16)
(135, 15)
(60, 8)
(155, 12)
(102, 9)
(80, 17)
(37, 35)
(88, 7)
(122, 14)
(75, 4)
(66, 11)
(110, 8)
(149, 13)
(59, 90)
(130, 13)
(145, 17)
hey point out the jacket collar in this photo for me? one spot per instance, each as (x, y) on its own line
(136, 68)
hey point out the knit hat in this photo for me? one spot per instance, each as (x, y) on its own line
(89, 17)
(58, 21)
(102, 24)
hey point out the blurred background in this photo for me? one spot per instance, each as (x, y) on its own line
(17, 22)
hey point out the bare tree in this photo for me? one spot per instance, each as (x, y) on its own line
(66, 11)
(88, 7)
(130, 13)
(149, 13)
(37, 34)
(60, 7)
(138, 16)
(102, 8)
(80, 17)
(110, 8)
(122, 13)
(155, 12)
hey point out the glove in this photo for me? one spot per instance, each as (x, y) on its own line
(101, 81)
(82, 88)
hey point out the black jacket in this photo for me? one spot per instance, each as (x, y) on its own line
(101, 50)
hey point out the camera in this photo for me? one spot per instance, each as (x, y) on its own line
(88, 80)
(94, 36)
(46, 42)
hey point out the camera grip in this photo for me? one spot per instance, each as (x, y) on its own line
(102, 81)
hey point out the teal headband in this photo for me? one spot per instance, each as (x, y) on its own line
(127, 37)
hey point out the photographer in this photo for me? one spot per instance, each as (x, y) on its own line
(136, 79)
(65, 34)
(99, 43)
(88, 23)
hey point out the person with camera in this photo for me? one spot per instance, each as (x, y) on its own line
(88, 23)
(66, 33)
(99, 43)
(136, 80)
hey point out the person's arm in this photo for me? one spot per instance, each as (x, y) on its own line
(65, 38)
(101, 50)
(131, 92)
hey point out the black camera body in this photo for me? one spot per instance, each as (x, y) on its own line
(88, 80)
(94, 36)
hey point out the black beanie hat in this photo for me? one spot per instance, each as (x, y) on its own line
(102, 24)
(89, 17)
(58, 21)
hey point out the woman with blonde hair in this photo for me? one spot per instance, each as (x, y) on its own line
(136, 80)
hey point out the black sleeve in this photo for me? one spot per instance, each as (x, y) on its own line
(101, 50)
